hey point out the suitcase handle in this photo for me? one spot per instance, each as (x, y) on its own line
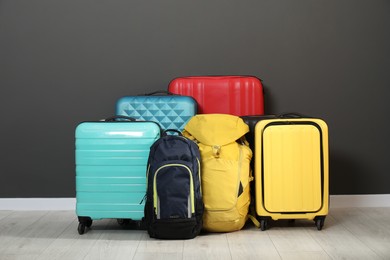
(158, 92)
(114, 118)
(292, 115)
(259, 116)
(165, 132)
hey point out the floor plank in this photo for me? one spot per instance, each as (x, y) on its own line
(349, 233)
(370, 226)
(5, 213)
(116, 243)
(207, 246)
(251, 243)
(292, 240)
(16, 230)
(150, 248)
(339, 243)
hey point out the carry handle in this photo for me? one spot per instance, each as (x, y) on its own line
(165, 132)
(263, 116)
(114, 118)
(165, 92)
(291, 115)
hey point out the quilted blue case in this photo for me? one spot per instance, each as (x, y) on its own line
(111, 164)
(170, 111)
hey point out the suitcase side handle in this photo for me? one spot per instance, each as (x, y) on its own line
(114, 118)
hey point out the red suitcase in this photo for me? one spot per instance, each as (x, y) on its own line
(235, 95)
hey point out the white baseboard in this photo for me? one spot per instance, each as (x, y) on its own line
(336, 201)
(38, 204)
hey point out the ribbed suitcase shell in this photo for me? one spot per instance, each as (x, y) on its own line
(170, 111)
(291, 168)
(111, 160)
(235, 95)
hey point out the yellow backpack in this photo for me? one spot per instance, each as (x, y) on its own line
(225, 169)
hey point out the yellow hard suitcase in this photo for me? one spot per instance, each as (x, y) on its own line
(291, 170)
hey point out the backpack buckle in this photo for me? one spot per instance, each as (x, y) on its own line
(216, 150)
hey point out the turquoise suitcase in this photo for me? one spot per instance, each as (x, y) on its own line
(169, 110)
(111, 158)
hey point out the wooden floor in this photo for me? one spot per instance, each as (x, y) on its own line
(348, 233)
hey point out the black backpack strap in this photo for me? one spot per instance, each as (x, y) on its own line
(165, 132)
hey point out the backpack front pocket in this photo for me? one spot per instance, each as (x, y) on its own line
(173, 191)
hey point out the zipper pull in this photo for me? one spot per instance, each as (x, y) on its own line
(216, 150)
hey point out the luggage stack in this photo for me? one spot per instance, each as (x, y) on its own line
(289, 163)
(111, 155)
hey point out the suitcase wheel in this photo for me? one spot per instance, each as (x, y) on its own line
(263, 224)
(81, 228)
(83, 223)
(123, 222)
(319, 221)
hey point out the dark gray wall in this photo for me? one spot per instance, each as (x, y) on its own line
(62, 62)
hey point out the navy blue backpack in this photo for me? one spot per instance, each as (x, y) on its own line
(174, 206)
